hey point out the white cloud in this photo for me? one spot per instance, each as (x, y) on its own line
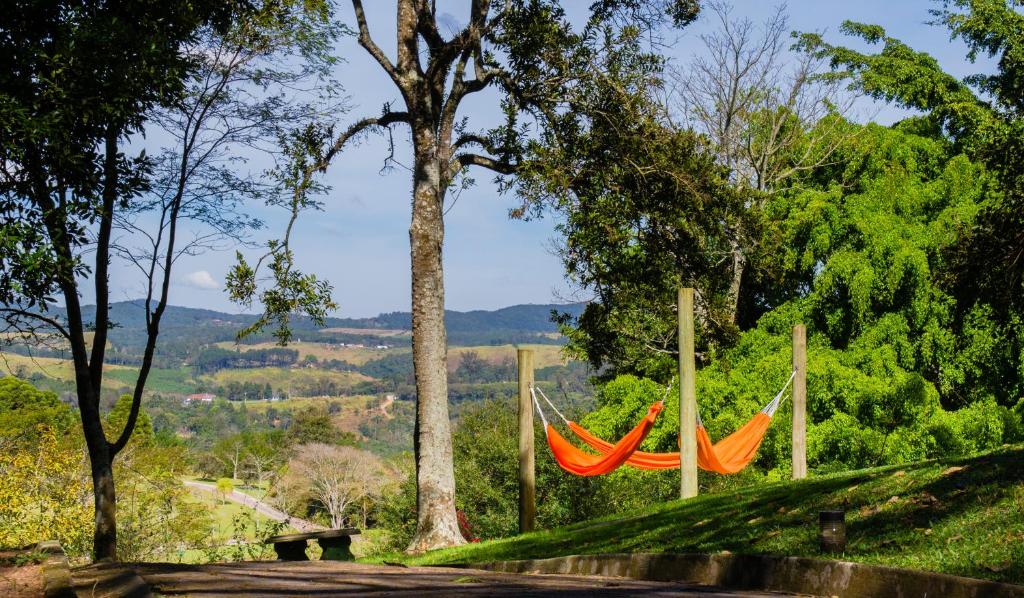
(200, 279)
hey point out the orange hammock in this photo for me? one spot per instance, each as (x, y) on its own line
(729, 455)
(580, 463)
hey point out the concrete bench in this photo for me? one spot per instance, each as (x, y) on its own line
(334, 542)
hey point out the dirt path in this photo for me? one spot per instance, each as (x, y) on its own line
(325, 578)
(388, 401)
(261, 507)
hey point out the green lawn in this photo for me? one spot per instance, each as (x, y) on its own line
(226, 514)
(160, 380)
(962, 516)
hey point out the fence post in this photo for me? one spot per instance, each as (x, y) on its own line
(687, 397)
(800, 402)
(527, 479)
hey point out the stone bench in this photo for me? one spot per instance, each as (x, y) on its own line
(334, 542)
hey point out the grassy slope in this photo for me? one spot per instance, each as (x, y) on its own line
(60, 369)
(543, 355)
(322, 351)
(960, 516)
(282, 377)
(170, 381)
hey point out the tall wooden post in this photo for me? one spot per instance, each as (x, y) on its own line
(687, 398)
(527, 481)
(800, 402)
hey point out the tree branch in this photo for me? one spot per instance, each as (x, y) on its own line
(371, 47)
(499, 166)
(12, 312)
(387, 119)
(102, 281)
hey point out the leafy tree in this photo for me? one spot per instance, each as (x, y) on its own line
(983, 115)
(142, 434)
(641, 206)
(225, 486)
(85, 79)
(313, 425)
(230, 451)
(264, 451)
(23, 407)
(43, 492)
(157, 513)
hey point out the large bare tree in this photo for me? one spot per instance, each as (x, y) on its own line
(767, 113)
(337, 477)
(526, 50)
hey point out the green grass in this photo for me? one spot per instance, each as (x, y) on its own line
(286, 377)
(962, 516)
(224, 517)
(160, 380)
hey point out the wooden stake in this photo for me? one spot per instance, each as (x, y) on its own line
(687, 398)
(800, 402)
(527, 480)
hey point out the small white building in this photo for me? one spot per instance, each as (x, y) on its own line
(203, 397)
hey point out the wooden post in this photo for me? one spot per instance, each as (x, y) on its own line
(527, 481)
(800, 402)
(687, 398)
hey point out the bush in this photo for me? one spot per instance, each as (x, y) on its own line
(974, 428)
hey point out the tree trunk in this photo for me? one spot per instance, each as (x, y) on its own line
(739, 264)
(105, 535)
(437, 525)
(104, 497)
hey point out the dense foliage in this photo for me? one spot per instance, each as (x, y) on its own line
(897, 250)
(895, 373)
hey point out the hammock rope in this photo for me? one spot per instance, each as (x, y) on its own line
(728, 456)
(582, 463)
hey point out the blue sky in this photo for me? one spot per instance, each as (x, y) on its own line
(360, 241)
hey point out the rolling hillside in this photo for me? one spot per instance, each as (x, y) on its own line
(186, 325)
(351, 367)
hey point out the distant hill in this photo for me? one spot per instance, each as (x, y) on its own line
(185, 326)
(521, 318)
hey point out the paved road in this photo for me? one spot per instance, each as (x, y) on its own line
(334, 579)
(261, 507)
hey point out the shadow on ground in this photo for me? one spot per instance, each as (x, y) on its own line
(320, 578)
(958, 516)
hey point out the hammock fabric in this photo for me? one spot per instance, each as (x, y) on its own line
(581, 463)
(730, 455)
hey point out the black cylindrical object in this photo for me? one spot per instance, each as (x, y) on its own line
(832, 531)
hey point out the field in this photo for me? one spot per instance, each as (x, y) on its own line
(60, 369)
(322, 351)
(348, 403)
(383, 332)
(282, 377)
(543, 355)
(962, 516)
(178, 381)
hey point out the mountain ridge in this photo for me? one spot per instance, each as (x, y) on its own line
(526, 317)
